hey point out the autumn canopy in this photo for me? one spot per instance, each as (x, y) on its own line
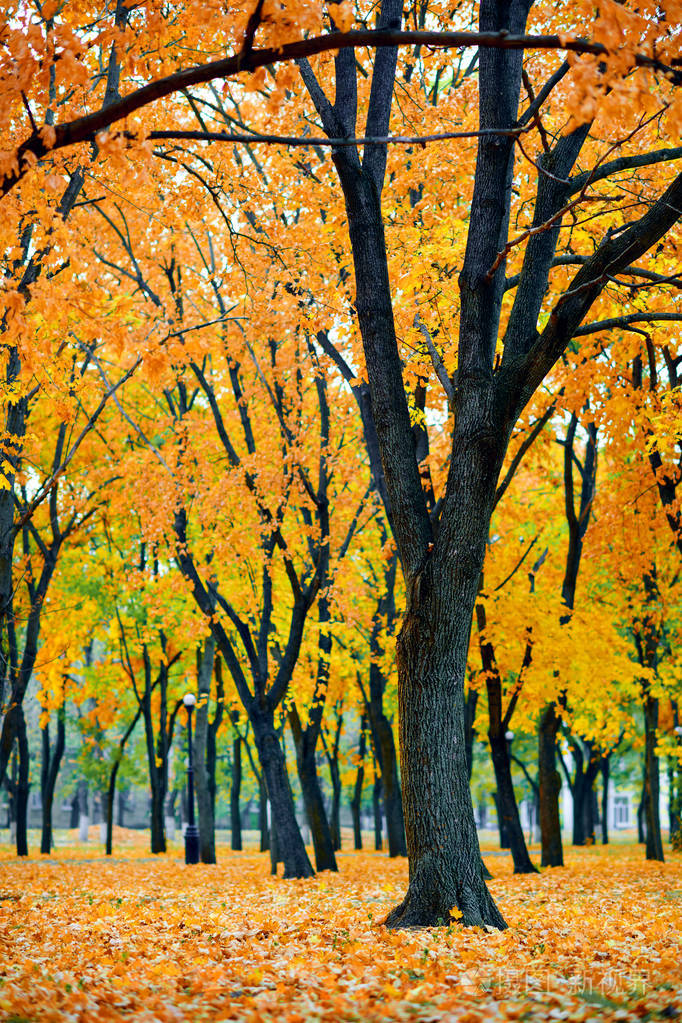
(341, 390)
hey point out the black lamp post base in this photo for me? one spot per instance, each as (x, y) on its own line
(191, 844)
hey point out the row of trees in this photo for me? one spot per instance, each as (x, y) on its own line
(237, 422)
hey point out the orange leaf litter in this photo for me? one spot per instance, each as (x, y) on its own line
(135, 938)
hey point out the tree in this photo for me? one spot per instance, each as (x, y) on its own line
(506, 346)
(442, 554)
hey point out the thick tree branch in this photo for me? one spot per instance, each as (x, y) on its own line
(81, 129)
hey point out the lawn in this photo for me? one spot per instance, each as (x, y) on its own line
(83, 939)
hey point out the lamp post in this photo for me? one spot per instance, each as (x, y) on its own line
(509, 736)
(191, 832)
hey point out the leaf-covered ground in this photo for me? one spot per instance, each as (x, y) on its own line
(82, 939)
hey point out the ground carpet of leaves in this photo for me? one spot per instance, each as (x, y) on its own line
(83, 939)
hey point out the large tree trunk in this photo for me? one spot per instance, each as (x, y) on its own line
(549, 783)
(48, 777)
(289, 843)
(652, 788)
(235, 791)
(470, 703)
(507, 806)
(432, 651)
(201, 774)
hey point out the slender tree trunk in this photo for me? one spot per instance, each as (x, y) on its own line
(641, 814)
(508, 809)
(284, 824)
(511, 832)
(11, 786)
(111, 796)
(378, 818)
(50, 770)
(23, 786)
(335, 814)
(263, 815)
(201, 774)
(305, 741)
(74, 814)
(380, 725)
(605, 769)
(356, 799)
(157, 820)
(121, 808)
(83, 810)
(674, 802)
(393, 802)
(235, 790)
(46, 833)
(591, 815)
(321, 828)
(501, 822)
(579, 794)
(549, 784)
(275, 855)
(654, 840)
